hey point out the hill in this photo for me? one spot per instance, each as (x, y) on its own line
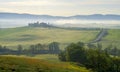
(20, 64)
(32, 35)
(32, 16)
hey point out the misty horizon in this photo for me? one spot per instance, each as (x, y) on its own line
(7, 23)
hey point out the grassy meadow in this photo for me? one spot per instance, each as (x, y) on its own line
(12, 37)
(26, 36)
(46, 57)
(25, 64)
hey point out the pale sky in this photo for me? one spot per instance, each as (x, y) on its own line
(61, 7)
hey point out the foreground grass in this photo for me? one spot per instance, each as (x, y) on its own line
(25, 64)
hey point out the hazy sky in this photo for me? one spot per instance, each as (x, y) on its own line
(61, 7)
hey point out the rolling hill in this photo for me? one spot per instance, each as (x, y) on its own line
(31, 35)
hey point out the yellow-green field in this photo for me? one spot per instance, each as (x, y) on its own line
(46, 62)
(26, 36)
(25, 64)
(46, 57)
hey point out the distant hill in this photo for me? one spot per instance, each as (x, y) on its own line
(32, 16)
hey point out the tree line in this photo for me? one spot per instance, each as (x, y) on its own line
(97, 59)
(52, 48)
(110, 49)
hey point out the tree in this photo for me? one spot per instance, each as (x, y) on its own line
(32, 50)
(116, 65)
(39, 48)
(54, 47)
(99, 46)
(95, 59)
(91, 46)
(98, 61)
(114, 51)
(76, 53)
(62, 56)
(20, 49)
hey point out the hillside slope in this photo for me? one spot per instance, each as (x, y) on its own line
(28, 35)
(20, 64)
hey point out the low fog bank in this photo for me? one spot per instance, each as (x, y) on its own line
(10, 23)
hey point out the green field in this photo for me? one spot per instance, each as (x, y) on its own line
(25, 64)
(113, 38)
(26, 36)
(12, 37)
(46, 57)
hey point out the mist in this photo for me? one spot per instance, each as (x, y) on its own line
(11, 23)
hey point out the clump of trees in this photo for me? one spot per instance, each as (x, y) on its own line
(112, 50)
(42, 24)
(4, 50)
(94, 58)
(52, 48)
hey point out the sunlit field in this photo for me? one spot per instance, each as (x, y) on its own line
(26, 36)
(25, 64)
